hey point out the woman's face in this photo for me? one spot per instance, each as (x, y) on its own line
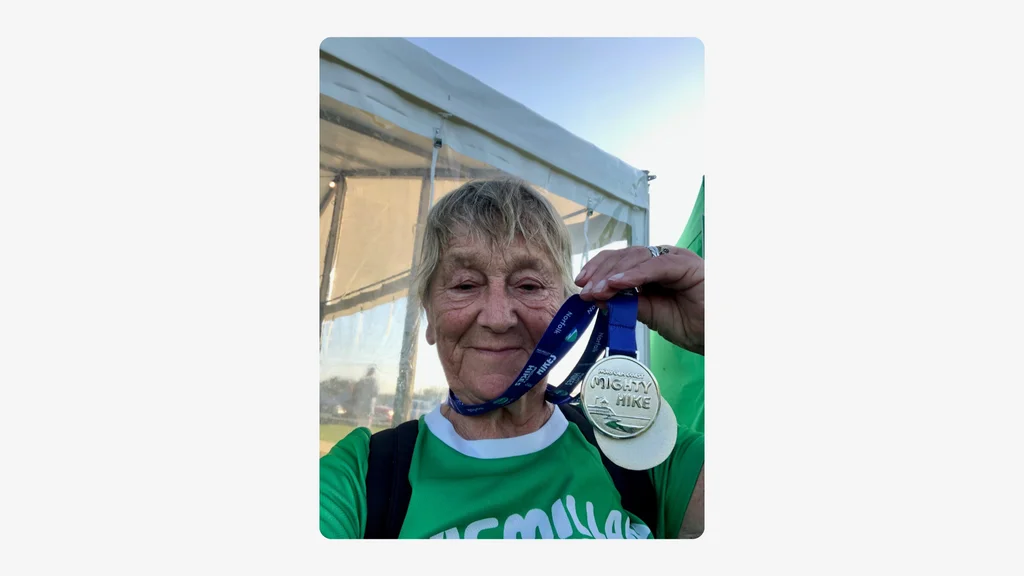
(487, 310)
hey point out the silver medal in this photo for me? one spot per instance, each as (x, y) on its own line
(635, 427)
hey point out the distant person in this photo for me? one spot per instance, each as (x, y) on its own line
(365, 392)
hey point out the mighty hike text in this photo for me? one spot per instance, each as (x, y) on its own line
(625, 382)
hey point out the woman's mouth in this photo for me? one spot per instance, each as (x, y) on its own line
(497, 353)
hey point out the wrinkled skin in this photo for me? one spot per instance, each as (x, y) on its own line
(487, 309)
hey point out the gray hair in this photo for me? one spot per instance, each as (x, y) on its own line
(496, 211)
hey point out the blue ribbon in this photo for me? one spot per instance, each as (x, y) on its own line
(615, 330)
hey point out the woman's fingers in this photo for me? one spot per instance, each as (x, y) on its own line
(587, 272)
(671, 301)
(597, 284)
(674, 271)
(612, 271)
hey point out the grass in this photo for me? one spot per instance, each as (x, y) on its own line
(331, 433)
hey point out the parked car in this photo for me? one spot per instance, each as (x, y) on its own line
(382, 415)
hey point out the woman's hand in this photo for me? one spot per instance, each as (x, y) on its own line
(671, 287)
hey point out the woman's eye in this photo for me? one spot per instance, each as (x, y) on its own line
(530, 287)
(465, 287)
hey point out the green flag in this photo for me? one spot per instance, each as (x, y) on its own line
(680, 373)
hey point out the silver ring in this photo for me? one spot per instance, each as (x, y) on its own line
(655, 251)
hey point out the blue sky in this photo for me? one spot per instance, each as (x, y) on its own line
(640, 99)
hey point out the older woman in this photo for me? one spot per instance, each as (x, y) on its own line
(496, 268)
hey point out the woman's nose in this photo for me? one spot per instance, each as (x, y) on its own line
(498, 313)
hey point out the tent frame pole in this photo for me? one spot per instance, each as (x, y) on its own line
(332, 243)
(405, 386)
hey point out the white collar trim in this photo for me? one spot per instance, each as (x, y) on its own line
(440, 427)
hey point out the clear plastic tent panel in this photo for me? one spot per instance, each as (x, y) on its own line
(379, 172)
(373, 177)
(381, 178)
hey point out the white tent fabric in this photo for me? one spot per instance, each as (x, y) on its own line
(398, 130)
(442, 87)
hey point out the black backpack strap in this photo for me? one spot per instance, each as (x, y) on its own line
(387, 480)
(634, 486)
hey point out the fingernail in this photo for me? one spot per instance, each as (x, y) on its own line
(578, 276)
(600, 286)
(617, 276)
(586, 289)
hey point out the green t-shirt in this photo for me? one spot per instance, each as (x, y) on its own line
(547, 484)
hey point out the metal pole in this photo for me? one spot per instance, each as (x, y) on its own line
(640, 228)
(327, 199)
(332, 243)
(410, 338)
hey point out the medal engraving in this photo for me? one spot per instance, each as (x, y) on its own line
(621, 397)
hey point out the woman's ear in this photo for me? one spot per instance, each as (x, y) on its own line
(431, 335)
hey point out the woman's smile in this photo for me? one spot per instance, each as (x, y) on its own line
(498, 354)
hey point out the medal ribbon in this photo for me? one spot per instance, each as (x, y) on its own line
(615, 330)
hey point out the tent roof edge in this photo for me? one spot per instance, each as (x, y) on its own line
(410, 69)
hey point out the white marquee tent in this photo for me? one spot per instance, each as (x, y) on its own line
(400, 128)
